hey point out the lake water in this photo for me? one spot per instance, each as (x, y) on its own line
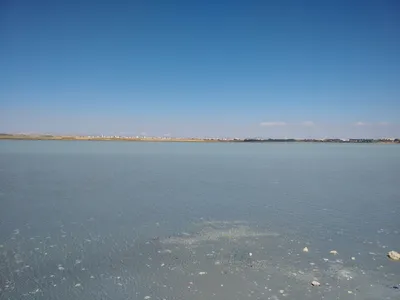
(121, 220)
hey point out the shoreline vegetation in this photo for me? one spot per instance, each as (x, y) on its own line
(5, 136)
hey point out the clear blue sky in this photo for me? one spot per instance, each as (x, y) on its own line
(201, 68)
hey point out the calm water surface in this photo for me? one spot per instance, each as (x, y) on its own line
(115, 220)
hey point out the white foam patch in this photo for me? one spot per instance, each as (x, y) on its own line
(211, 233)
(342, 273)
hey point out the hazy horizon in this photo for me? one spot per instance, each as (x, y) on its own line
(290, 131)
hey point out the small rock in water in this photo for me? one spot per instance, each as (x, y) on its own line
(305, 249)
(315, 283)
(394, 255)
(202, 273)
(334, 252)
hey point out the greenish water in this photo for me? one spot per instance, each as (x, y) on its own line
(116, 220)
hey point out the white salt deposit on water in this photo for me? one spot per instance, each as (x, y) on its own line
(202, 273)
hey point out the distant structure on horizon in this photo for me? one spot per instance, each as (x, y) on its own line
(8, 136)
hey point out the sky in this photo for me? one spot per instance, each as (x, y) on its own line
(296, 69)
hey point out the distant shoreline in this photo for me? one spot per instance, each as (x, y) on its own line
(201, 140)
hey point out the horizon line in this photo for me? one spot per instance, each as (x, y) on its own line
(170, 137)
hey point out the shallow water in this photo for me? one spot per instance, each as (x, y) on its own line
(116, 220)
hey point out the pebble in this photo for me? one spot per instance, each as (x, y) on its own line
(315, 283)
(394, 255)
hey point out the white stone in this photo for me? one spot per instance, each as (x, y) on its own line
(394, 255)
(315, 283)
